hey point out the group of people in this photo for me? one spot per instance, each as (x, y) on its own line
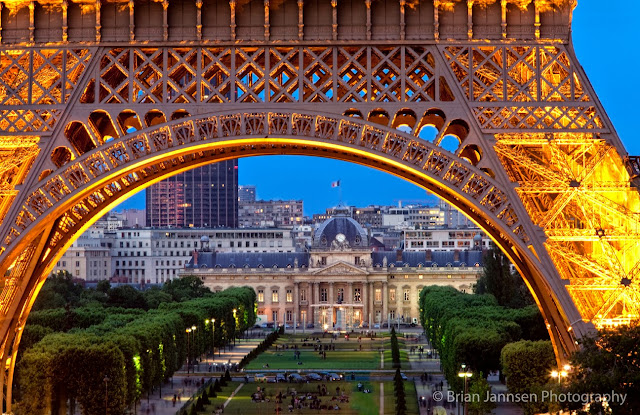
(304, 401)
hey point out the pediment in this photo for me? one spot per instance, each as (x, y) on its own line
(340, 268)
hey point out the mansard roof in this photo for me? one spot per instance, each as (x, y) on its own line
(421, 258)
(250, 260)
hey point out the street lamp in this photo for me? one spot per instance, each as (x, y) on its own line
(193, 342)
(465, 374)
(106, 394)
(213, 336)
(325, 326)
(188, 350)
(561, 374)
(235, 326)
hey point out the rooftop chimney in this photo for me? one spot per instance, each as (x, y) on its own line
(195, 258)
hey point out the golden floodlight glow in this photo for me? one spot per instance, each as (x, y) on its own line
(94, 109)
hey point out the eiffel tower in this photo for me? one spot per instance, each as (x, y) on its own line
(101, 99)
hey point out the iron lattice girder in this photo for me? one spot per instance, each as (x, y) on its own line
(521, 84)
(584, 235)
(581, 260)
(600, 187)
(578, 191)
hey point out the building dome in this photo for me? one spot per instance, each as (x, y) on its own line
(204, 243)
(340, 231)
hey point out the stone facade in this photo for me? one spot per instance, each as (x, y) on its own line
(340, 283)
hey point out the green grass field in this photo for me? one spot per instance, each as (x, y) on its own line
(349, 355)
(411, 398)
(221, 397)
(338, 360)
(388, 364)
(359, 403)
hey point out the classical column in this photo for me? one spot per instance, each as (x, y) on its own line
(331, 302)
(316, 301)
(371, 310)
(364, 300)
(296, 300)
(385, 308)
(348, 293)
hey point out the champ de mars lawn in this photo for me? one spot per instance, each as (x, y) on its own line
(357, 402)
(352, 354)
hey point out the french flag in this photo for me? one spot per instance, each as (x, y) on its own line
(335, 184)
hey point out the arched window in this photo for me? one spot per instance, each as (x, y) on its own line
(379, 116)
(404, 120)
(103, 126)
(61, 156)
(79, 137)
(154, 117)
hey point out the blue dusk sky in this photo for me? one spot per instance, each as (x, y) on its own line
(604, 38)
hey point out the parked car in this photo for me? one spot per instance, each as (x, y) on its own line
(281, 378)
(314, 376)
(334, 377)
(260, 377)
(271, 379)
(310, 325)
(296, 378)
(403, 376)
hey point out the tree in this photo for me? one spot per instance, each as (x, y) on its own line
(127, 297)
(480, 387)
(186, 288)
(92, 297)
(527, 364)
(154, 296)
(58, 290)
(104, 286)
(609, 362)
(497, 279)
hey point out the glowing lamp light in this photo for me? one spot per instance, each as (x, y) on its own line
(464, 372)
